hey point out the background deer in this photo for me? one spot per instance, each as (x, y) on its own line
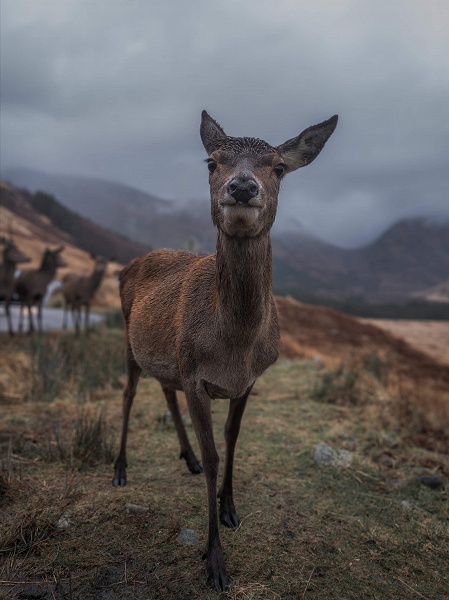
(12, 256)
(78, 291)
(208, 325)
(31, 285)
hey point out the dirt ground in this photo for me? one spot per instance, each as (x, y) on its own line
(431, 337)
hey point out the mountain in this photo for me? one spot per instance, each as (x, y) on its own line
(57, 224)
(411, 256)
(135, 214)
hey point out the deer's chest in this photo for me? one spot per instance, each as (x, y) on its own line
(228, 371)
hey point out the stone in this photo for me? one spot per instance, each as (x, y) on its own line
(433, 481)
(136, 508)
(331, 457)
(64, 522)
(187, 537)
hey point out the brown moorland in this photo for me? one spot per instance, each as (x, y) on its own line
(369, 529)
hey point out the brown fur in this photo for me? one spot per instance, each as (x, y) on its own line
(79, 291)
(208, 325)
(31, 285)
(12, 256)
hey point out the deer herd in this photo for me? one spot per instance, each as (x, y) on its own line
(29, 288)
(203, 325)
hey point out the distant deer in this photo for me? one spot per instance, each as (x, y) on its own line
(78, 291)
(12, 256)
(31, 285)
(208, 325)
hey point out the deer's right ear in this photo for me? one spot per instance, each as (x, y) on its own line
(212, 135)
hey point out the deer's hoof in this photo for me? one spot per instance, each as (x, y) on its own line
(193, 464)
(119, 482)
(119, 478)
(228, 514)
(195, 467)
(216, 573)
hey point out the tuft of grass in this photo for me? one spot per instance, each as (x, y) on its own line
(25, 534)
(62, 363)
(378, 367)
(338, 386)
(10, 474)
(93, 441)
(50, 368)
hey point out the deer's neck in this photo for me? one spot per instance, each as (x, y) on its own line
(95, 279)
(47, 272)
(243, 281)
(9, 268)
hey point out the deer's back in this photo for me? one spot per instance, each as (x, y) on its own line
(31, 284)
(75, 288)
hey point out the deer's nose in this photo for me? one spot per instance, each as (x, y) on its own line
(243, 189)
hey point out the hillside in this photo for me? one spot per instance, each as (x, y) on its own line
(80, 231)
(137, 215)
(340, 477)
(409, 258)
(33, 232)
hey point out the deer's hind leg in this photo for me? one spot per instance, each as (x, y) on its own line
(228, 514)
(8, 316)
(134, 372)
(186, 449)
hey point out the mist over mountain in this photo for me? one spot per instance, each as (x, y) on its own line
(410, 256)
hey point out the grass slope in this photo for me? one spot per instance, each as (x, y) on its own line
(370, 530)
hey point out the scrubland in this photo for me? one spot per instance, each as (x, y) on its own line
(375, 528)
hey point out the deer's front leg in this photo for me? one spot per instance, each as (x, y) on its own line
(228, 515)
(200, 411)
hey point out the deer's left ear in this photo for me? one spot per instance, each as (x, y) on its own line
(303, 149)
(212, 135)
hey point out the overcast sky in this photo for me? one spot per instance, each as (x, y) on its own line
(114, 89)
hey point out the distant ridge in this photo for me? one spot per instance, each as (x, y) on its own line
(80, 231)
(410, 257)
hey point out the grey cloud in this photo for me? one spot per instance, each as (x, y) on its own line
(114, 89)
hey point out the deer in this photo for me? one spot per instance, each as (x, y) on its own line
(208, 325)
(79, 291)
(31, 285)
(12, 256)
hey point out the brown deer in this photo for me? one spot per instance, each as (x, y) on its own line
(31, 285)
(78, 291)
(208, 325)
(12, 256)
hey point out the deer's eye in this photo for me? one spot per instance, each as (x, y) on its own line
(211, 165)
(279, 169)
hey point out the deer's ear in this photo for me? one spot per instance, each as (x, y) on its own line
(303, 149)
(212, 135)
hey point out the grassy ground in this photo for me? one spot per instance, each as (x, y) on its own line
(370, 530)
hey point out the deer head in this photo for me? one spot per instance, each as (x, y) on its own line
(245, 174)
(51, 258)
(13, 255)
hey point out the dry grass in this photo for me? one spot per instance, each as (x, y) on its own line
(420, 382)
(370, 530)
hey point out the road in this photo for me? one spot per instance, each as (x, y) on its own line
(51, 318)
